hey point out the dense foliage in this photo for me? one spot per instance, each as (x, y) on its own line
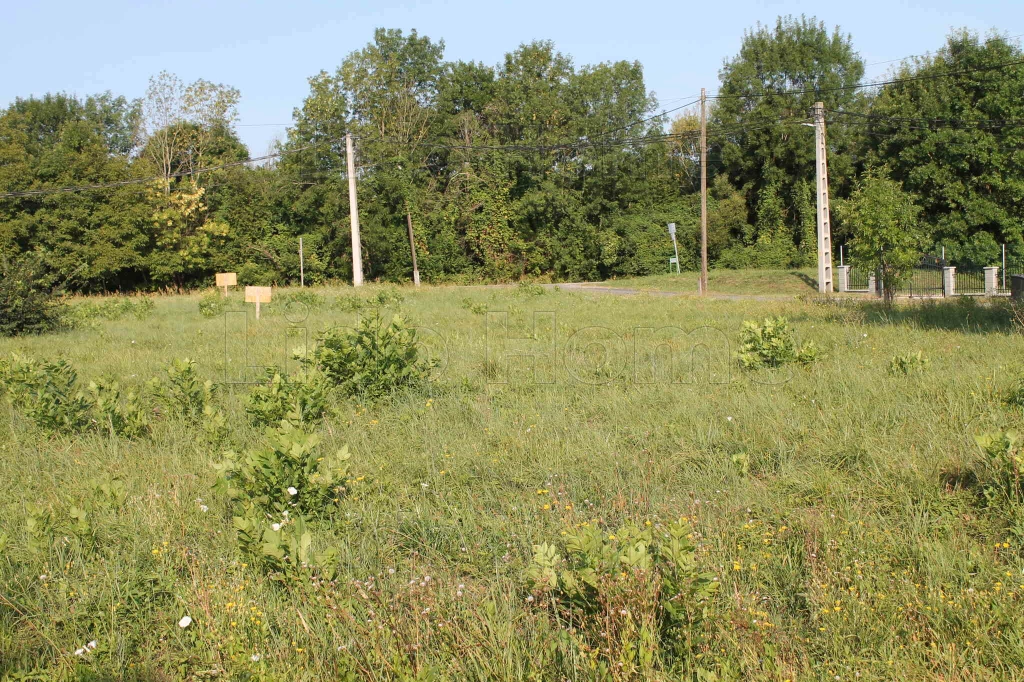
(534, 167)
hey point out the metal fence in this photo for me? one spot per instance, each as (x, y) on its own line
(857, 279)
(970, 279)
(927, 279)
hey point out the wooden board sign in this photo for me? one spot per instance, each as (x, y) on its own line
(258, 294)
(227, 279)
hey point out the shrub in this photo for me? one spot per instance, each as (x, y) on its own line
(117, 308)
(27, 304)
(372, 360)
(475, 308)
(289, 476)
(905, 364)
(388, 296)
(771, 344)
(183, 392)
(47, 393)
(127, 418)
(1000, 470)
(212, 304)
(305, 397)
(307, 298)
(627, 595)
(276, 490)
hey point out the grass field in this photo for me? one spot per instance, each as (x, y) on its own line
(836, 506)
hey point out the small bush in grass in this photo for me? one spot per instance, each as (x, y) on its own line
(909, 363)
(28, 304)
(304, 395)
(1000, 471)
(771, 344)
(47, 392)
(307, 298)
(276, 490)
(118, 308)
(212, 304)
(630, 596)
(183, 392)
(373, 359)
(475, 308)
(127, 417)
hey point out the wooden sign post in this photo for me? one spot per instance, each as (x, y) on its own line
(258, 295)
(225, 280)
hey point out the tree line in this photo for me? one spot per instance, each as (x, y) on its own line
(534, 167)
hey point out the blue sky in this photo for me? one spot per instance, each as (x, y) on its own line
(268, 49)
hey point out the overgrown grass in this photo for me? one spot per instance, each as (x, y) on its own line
(839, 508)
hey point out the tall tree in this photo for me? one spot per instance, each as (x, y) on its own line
(951, 131)
(181, 123)
(767, 90)
(391, 85)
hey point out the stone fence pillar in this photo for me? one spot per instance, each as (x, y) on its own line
(874, 285)
(948, 281)
(991, 280)
(843, 278)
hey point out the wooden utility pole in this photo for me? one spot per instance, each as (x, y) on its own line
(412, 246)
(703, 193)
(353, 210)
(302, 266)
(824, 220)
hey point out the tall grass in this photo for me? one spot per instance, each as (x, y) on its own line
(833, 504)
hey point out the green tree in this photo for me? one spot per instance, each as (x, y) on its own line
(767, 90)
(391, 86)
(953, 141)
(889, 235)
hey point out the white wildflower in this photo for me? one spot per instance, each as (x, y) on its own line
(185, 622)
(275, 526)
(292, 491)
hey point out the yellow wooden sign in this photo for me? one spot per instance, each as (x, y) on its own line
(227, 279)
(258, 294)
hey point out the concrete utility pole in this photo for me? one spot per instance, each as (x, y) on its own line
(824, 221)
(353, 208)
(412, 247)
(703, 193)
(302, 266)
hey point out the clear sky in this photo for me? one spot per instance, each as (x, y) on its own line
(268, 49)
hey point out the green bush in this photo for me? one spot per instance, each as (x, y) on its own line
(631, 596)
(771, 344)
(117, 308)
(47, 392)
(212, 304)
(303, 397)
(306, 297)
(1000, 471)
(275, 491)
(911, 362)
(27, 304)
(182, 392)
(127, 417)
(373, 359)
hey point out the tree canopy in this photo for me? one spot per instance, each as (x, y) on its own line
(531, 167)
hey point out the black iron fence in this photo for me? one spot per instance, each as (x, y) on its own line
(927, 278)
